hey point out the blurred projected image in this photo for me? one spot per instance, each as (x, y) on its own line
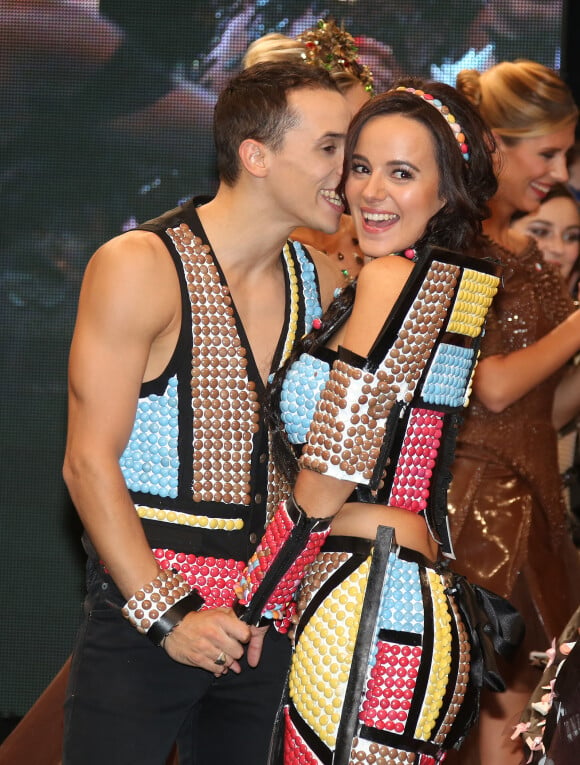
(106, 115)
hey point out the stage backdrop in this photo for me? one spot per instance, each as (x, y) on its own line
(106, 114)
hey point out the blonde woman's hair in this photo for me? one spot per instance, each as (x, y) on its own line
(325, 45)
(274, 47)
(520, 99)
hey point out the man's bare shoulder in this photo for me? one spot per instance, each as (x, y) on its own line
(135, 257)
(133, 276)
(132, 248)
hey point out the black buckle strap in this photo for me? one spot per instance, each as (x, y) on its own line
(173, 616)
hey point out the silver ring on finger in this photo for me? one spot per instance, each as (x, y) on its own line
(221, 659)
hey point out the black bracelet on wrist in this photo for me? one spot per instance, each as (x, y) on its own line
(173, 616)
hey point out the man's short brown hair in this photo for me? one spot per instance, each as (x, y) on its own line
(254, 105)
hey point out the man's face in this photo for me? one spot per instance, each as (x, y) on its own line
(305, 172)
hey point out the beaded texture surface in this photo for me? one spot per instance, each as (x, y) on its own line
(300, 393)
(149, 603)
(188, 519)
(323, 656)
(448, 378)
(225, 403)
(198, 441)
(474, 297)
(412, 481)
(226, 409)
(214, 578)
(447, 116)
(312, 308)
(224, 400)
(417, 673)
(278, 486)
(150, 462)
(349, 424)
(281, 604)
(371, 753)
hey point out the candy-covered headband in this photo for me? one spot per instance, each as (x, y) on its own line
(444, 111)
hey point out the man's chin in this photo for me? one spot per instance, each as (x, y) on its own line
(329, 227)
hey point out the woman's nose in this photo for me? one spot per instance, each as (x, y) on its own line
(560, 169)
(555, 244)
(375, 188)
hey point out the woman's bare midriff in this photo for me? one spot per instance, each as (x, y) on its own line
(358, 519)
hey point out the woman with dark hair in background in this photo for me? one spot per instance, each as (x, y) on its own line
(555, 225)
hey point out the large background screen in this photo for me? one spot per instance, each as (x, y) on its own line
(106, 114)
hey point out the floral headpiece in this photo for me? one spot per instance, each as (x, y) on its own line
(444, 111)
(332, 48)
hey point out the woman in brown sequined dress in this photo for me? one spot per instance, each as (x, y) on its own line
(507, 512)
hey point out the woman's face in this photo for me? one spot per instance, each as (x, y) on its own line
(392, 185)
(556, 227)
(528, 169)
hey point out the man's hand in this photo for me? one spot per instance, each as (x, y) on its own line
(257, 635)
(213, 640)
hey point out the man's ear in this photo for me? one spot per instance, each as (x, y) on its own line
(253, 156)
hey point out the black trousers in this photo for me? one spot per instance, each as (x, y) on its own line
(128, 701)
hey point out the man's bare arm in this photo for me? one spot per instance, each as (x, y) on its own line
(128, 318)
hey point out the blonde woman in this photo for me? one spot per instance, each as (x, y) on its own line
(507, 511)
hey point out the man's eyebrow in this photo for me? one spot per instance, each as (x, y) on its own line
(330, 134)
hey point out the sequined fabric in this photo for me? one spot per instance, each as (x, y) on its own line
(506, 510)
